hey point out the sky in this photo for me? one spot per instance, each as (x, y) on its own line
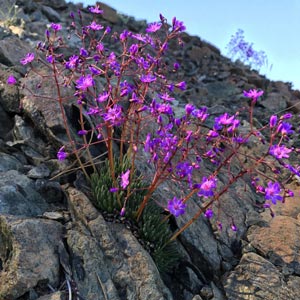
(273, 26)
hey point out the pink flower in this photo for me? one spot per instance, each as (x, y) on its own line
(254, 94)
(176, 207)
(153, 27)
(27, 59)
(280, 151)
(125, 179)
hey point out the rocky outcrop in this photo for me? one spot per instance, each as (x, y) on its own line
(54, 243)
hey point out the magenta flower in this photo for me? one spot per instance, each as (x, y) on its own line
(148, 78)
(153, 27)
(84, 82)
(273, 121)
(114, 115)
(254, 94)
(61, 154)
(103, 97)
(176, 207)
(181, 85)
(272, 192)
(207, 186)
(96, 10)
(94, 26)
(55, 27)
(280, 151)
(125, 179)
(209, 214)
(27, 59)
(72, 63)
(11, 80)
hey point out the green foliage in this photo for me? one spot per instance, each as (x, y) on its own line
(154, 233)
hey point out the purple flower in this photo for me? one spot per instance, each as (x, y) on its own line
(153, 27)
(96, 10)
(178, 25)
(181, 85)
(94, 26)
(285, 128)
(176, 207)
(280, 151)
(84, 82)
(148, 78)
(273, 121)
(72, 63)
(103, 97)
(55, 27)
(254, 94)
(27, 59)
(209, 214)
(125, 179)
(272, 192)
(11, 80)
(61, 154)
(82, 132)
(114, 115)
(122, 212)
(166, 97)
(207, 186)
(189, 108)
(83, 52)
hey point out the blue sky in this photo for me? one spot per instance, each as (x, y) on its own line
(273, 26)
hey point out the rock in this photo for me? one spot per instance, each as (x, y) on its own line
(257, 278)
(12, 50)
(18, 196)
(275, 102)
(53, 296)
(279, 242)
(51, 14)
(109, 13)
(9, 162)
(40, 171)
(107, 258)
(28, 253)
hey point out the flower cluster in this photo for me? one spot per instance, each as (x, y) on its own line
(130, 95)
(242, 50)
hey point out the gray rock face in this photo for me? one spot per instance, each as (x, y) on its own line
(28, 252)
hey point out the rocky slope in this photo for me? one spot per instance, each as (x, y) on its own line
(54, 243)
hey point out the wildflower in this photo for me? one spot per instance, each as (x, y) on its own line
(122, 212)
(207, 186)
(233, 227)
(166, 97)
(125, 179)
(254, 94)
(273, 121)
(181, 85)
(50, 59)
(27, 59)
(114, 115)
(209, 214)
(82, 132)
(153, 27)
(61, 154)
(189, 108)
(84, 82)
(176, 207)
(83, 52)
(280, 151)
(94, 26)
(285, 128)
(72, 63)
(55, 27)
(103, 97)
(11, 80)
(96, 10)
(148, 78)
(272, 192)
(113, 190)
(178, 25)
